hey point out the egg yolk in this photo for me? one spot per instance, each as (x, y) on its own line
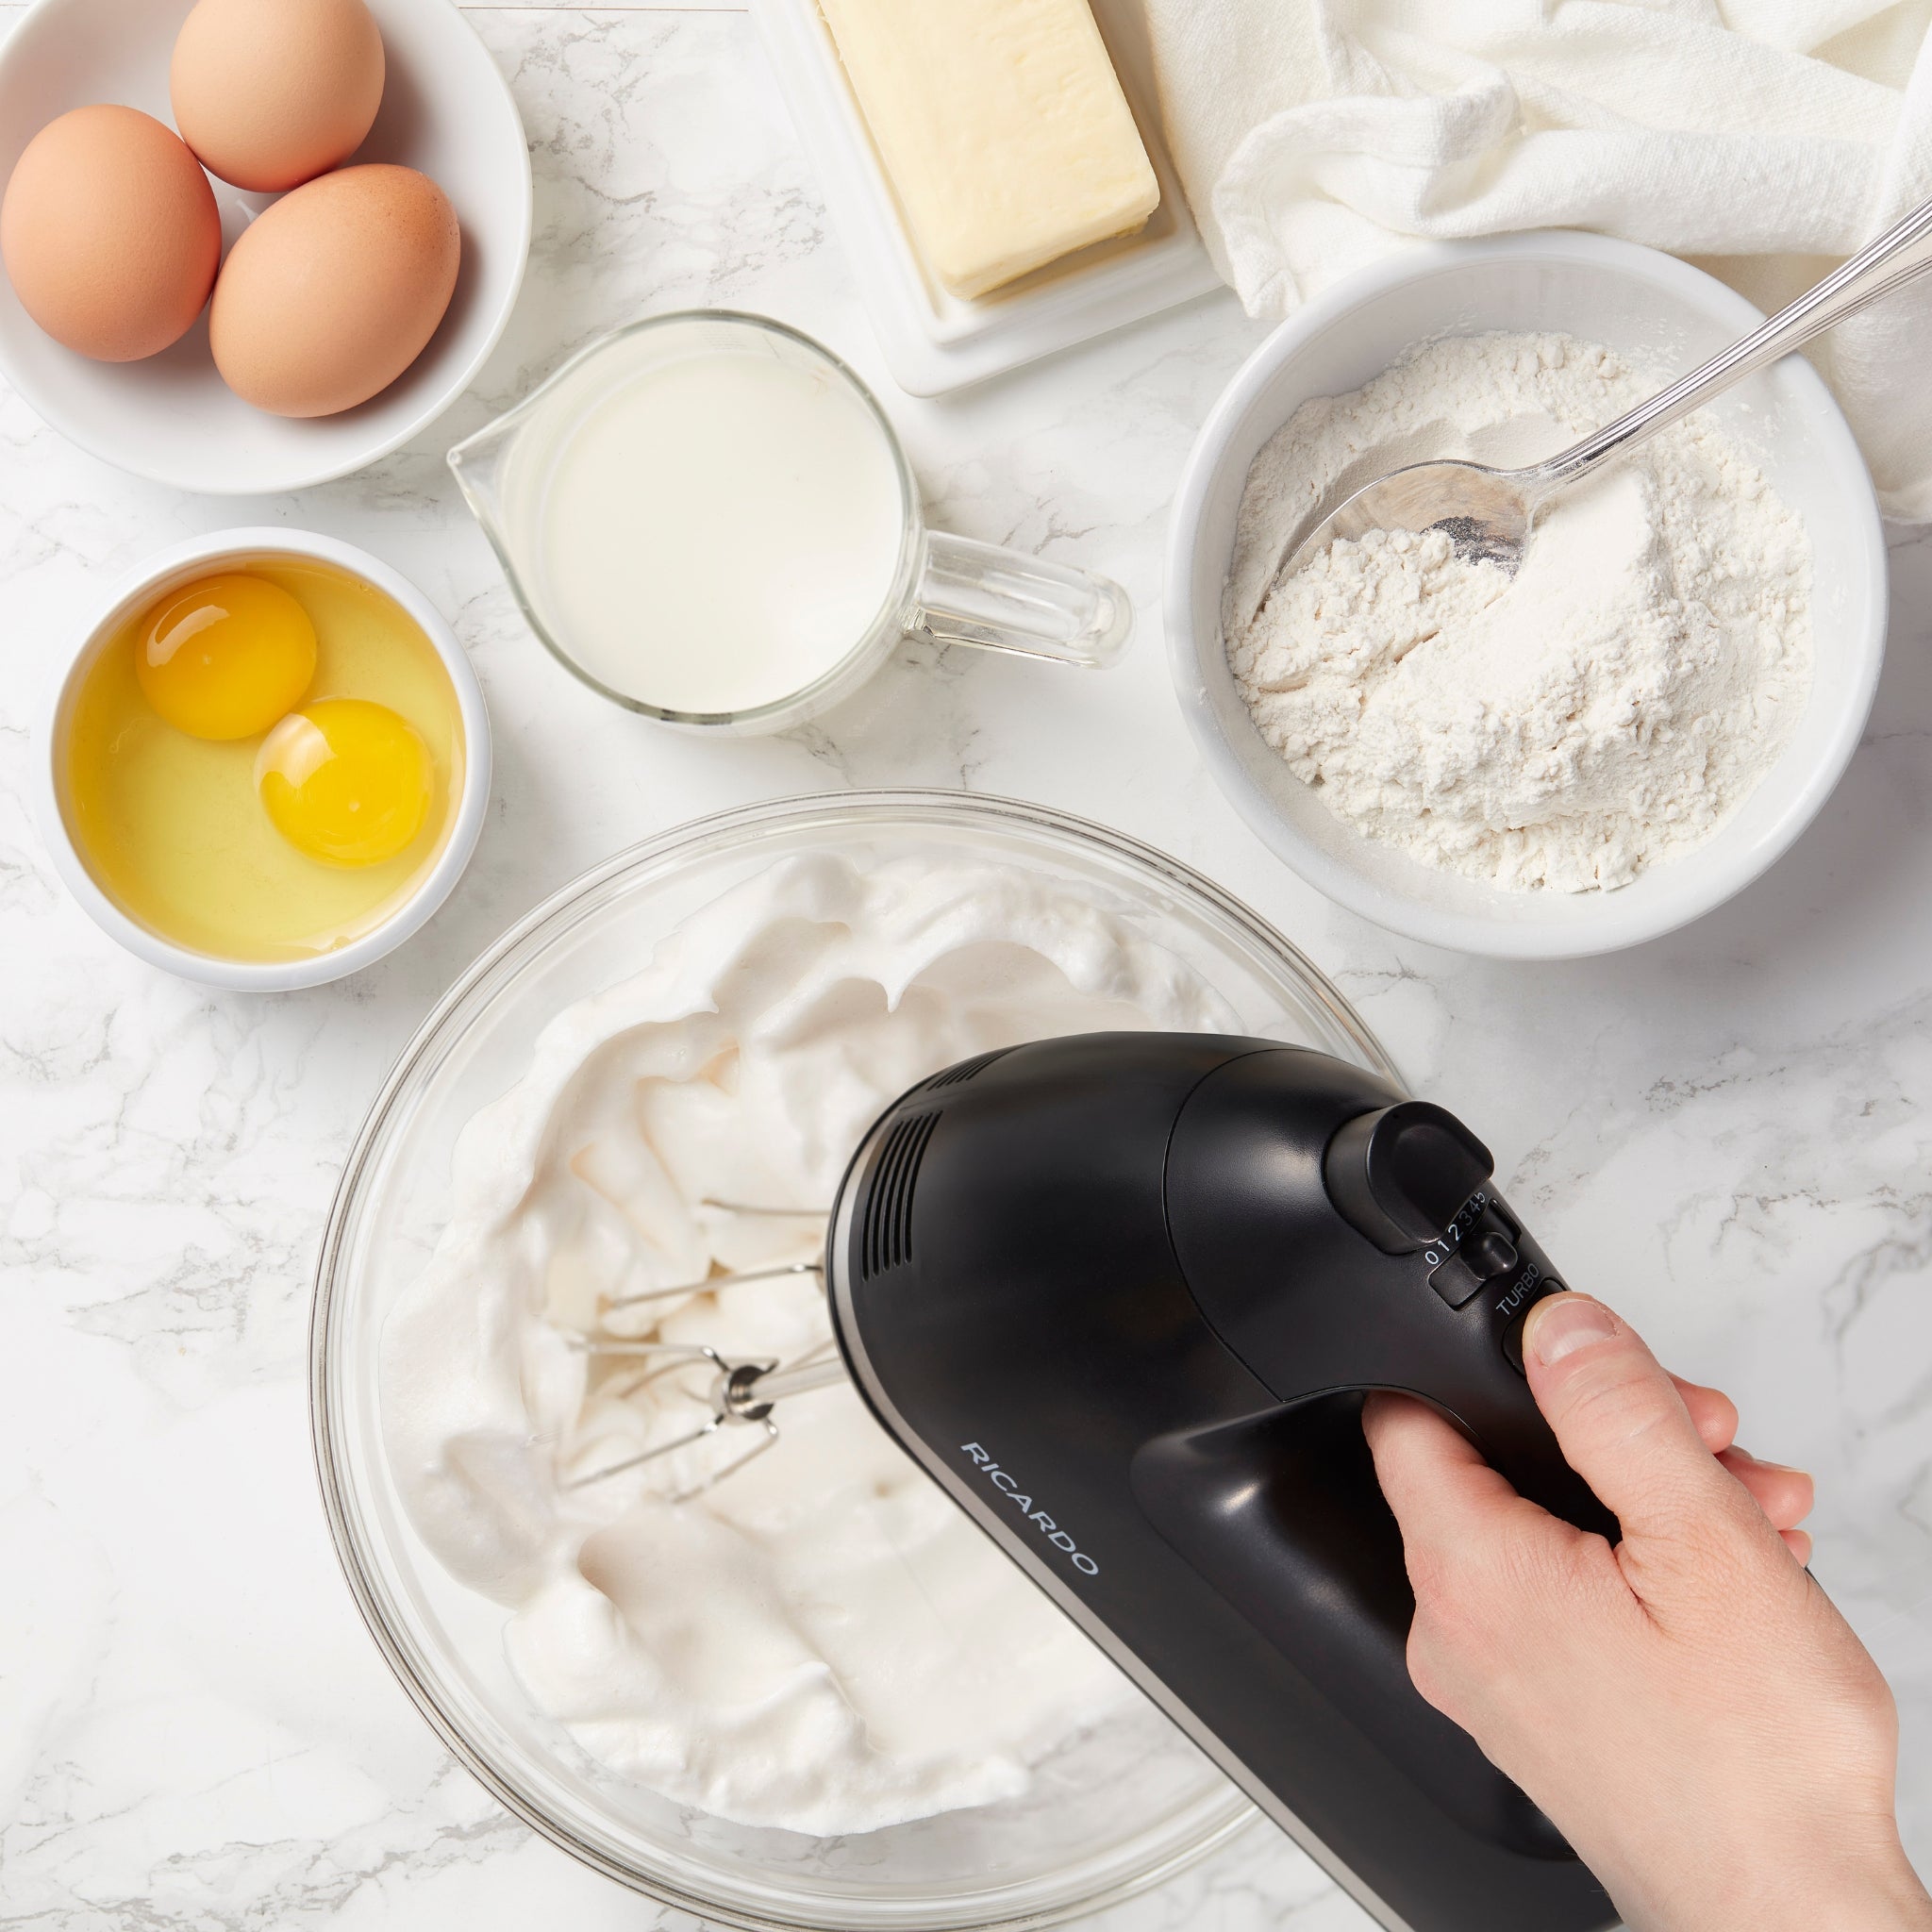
(344, 780)
(226, 656)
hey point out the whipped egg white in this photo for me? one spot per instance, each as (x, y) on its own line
(821, 1641)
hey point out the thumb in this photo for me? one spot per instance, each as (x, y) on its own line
(1618, 1418)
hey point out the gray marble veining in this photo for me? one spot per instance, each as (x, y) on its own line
(1727, 1132)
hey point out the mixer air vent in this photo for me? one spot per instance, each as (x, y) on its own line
(888, 1234)
(955, 1077)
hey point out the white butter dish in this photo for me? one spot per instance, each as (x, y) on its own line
(934, 341)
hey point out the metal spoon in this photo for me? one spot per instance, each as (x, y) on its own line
(1488, 514)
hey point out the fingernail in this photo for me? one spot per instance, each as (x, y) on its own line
(1566, 1323)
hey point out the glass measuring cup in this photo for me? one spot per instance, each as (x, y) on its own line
(952, 590)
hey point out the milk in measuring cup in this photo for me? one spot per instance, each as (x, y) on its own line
(716, 533)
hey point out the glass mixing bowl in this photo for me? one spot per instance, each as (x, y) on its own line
(1116, 1811)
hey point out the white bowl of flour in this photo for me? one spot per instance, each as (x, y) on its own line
(1614, 743)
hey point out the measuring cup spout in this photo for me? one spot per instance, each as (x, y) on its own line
(477, 463)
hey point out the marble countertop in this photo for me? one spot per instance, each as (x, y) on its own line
(1728, 1133)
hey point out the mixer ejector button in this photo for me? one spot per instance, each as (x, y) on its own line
(1402, 1174)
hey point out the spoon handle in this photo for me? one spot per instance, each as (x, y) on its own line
(1900, 255)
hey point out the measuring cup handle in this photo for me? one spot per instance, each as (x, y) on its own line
(1002, 600)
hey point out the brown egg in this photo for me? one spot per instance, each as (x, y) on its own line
(335, 289)
(269, 93)
(111, 233)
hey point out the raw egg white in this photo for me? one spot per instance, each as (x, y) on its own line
(333, 291)
(269, 93)
(226, 656)
(111, 233)
(173, 827)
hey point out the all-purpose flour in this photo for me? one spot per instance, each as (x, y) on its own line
(1605, 710)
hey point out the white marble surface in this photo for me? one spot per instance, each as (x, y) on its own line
(1727, 1132)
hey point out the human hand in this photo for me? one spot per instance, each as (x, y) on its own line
(1689, 1707)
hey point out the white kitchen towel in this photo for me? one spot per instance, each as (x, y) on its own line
(1761, 138)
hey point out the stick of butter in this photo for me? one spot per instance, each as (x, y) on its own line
(1003, 126)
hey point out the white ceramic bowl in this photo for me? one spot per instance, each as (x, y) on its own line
(182, 563)
(445, 110)
(1663, 314)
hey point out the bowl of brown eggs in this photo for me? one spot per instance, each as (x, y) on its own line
(250, 246)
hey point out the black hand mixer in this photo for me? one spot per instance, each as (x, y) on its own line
(1119, 1295)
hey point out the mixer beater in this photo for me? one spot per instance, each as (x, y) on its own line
(724, 1392)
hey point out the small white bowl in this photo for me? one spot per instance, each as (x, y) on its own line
(445, 110)
(182, 563)
(1663, 314)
